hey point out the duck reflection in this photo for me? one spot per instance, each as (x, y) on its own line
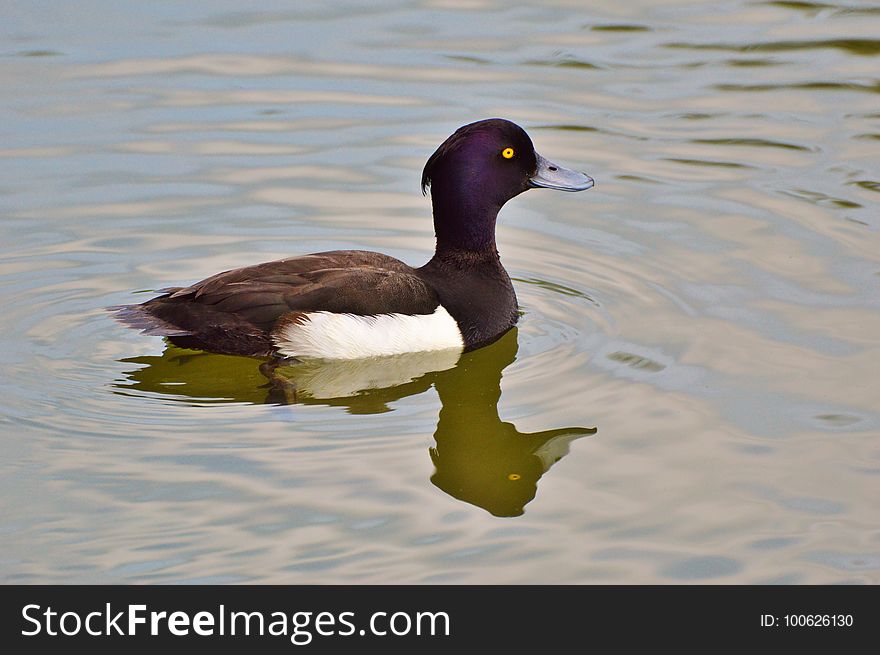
(478, 458)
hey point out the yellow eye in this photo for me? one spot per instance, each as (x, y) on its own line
(507, 153)
(513, 477)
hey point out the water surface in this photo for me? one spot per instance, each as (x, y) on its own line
(692, 392)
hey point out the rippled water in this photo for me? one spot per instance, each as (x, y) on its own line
(692, 393)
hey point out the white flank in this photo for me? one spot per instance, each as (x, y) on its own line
(325, 335)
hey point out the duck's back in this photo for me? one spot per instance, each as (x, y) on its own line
(343, 303)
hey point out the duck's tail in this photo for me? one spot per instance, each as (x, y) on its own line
(142, 317)
(195, 325)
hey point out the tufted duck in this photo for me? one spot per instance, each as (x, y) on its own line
(348, 304)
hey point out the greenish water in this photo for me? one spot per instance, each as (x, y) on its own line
(692, 392)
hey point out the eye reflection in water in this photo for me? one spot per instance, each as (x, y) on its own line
(478, 458)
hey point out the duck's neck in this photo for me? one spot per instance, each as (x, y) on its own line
(466, 272)
(464, 222)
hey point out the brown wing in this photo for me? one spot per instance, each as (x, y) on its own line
(344, 281)
(226, 310)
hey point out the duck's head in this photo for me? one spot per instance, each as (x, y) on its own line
(478, 169)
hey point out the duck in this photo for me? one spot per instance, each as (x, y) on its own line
(352, 304)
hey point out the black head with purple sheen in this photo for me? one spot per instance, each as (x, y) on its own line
(478, 169)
